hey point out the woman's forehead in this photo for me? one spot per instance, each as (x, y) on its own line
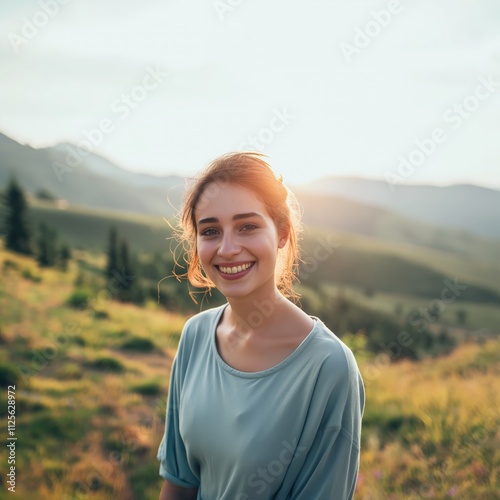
(228, 200)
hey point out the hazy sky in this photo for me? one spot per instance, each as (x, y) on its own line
(323, 87)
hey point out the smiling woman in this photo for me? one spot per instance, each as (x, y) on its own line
(264, 401)
(246, 171)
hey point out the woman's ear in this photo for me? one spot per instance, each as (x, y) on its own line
(283, 238)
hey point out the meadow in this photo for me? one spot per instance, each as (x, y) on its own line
(92, 381)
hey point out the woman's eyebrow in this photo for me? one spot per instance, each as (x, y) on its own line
(235, 217)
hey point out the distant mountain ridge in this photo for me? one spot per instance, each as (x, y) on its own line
(89, 180)
(93, 181)
(460, 206)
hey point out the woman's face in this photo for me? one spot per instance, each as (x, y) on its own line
(237, 241)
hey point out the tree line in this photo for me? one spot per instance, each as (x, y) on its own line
(20, 237)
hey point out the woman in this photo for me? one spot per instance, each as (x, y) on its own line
(264, 400)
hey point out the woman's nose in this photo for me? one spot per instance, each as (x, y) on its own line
(228, 245)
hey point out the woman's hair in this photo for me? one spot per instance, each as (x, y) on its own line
(249, 170)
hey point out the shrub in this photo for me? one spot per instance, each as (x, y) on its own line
(29, 276)
(148, 389)
(79, 298)
(8, 375)
(139, 344)
(52, 429)
(100, 314)
(10, 264)
(107, 364)
(120, 333)
(77, 340)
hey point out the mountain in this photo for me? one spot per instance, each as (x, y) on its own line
(340, 214)
(461, 206)
(89, 180)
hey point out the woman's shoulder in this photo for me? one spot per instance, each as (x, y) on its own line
(200, 324)
(338, 366)
(336, 354)
(204, 319)
(195, 335)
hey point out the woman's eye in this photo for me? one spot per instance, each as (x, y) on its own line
(249, 227)
(209, 232)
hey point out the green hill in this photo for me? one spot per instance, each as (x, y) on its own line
(356, 260)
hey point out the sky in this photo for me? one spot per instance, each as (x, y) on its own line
(398, 90)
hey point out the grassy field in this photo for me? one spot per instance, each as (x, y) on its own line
(431, 430)
(91, 388)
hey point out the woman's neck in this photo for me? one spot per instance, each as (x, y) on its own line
(255, 315)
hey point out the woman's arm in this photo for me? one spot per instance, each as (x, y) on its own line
(171, 491)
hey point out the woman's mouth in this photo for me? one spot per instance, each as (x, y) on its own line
(235, 272)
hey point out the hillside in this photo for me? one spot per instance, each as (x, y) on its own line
(87, 179)
(91, 385)
(85, 227)
(91, 391)
(95, 182)
(359, 261)
(339, 214)
(463, 207)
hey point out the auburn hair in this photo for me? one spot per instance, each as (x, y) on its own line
(250, 170)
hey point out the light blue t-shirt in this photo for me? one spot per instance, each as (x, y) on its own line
(291, 432)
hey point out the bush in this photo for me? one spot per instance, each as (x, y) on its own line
(29, 276)
(79, 298)
(107, 364)
(10, 264)
(100, 314)
(139, 344)
(148, 389)
(8, 375)
(78, 340)
(52, 429)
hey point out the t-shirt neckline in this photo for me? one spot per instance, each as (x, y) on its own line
(263, 373)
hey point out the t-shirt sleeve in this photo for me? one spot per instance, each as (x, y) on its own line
(172, 454)
(330, 468)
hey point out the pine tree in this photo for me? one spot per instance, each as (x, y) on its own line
(47, 246)
(16, 227)
(112, 264)
(126, 293)
(63, 257)
(461, 316)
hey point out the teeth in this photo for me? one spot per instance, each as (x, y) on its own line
(236, 269)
